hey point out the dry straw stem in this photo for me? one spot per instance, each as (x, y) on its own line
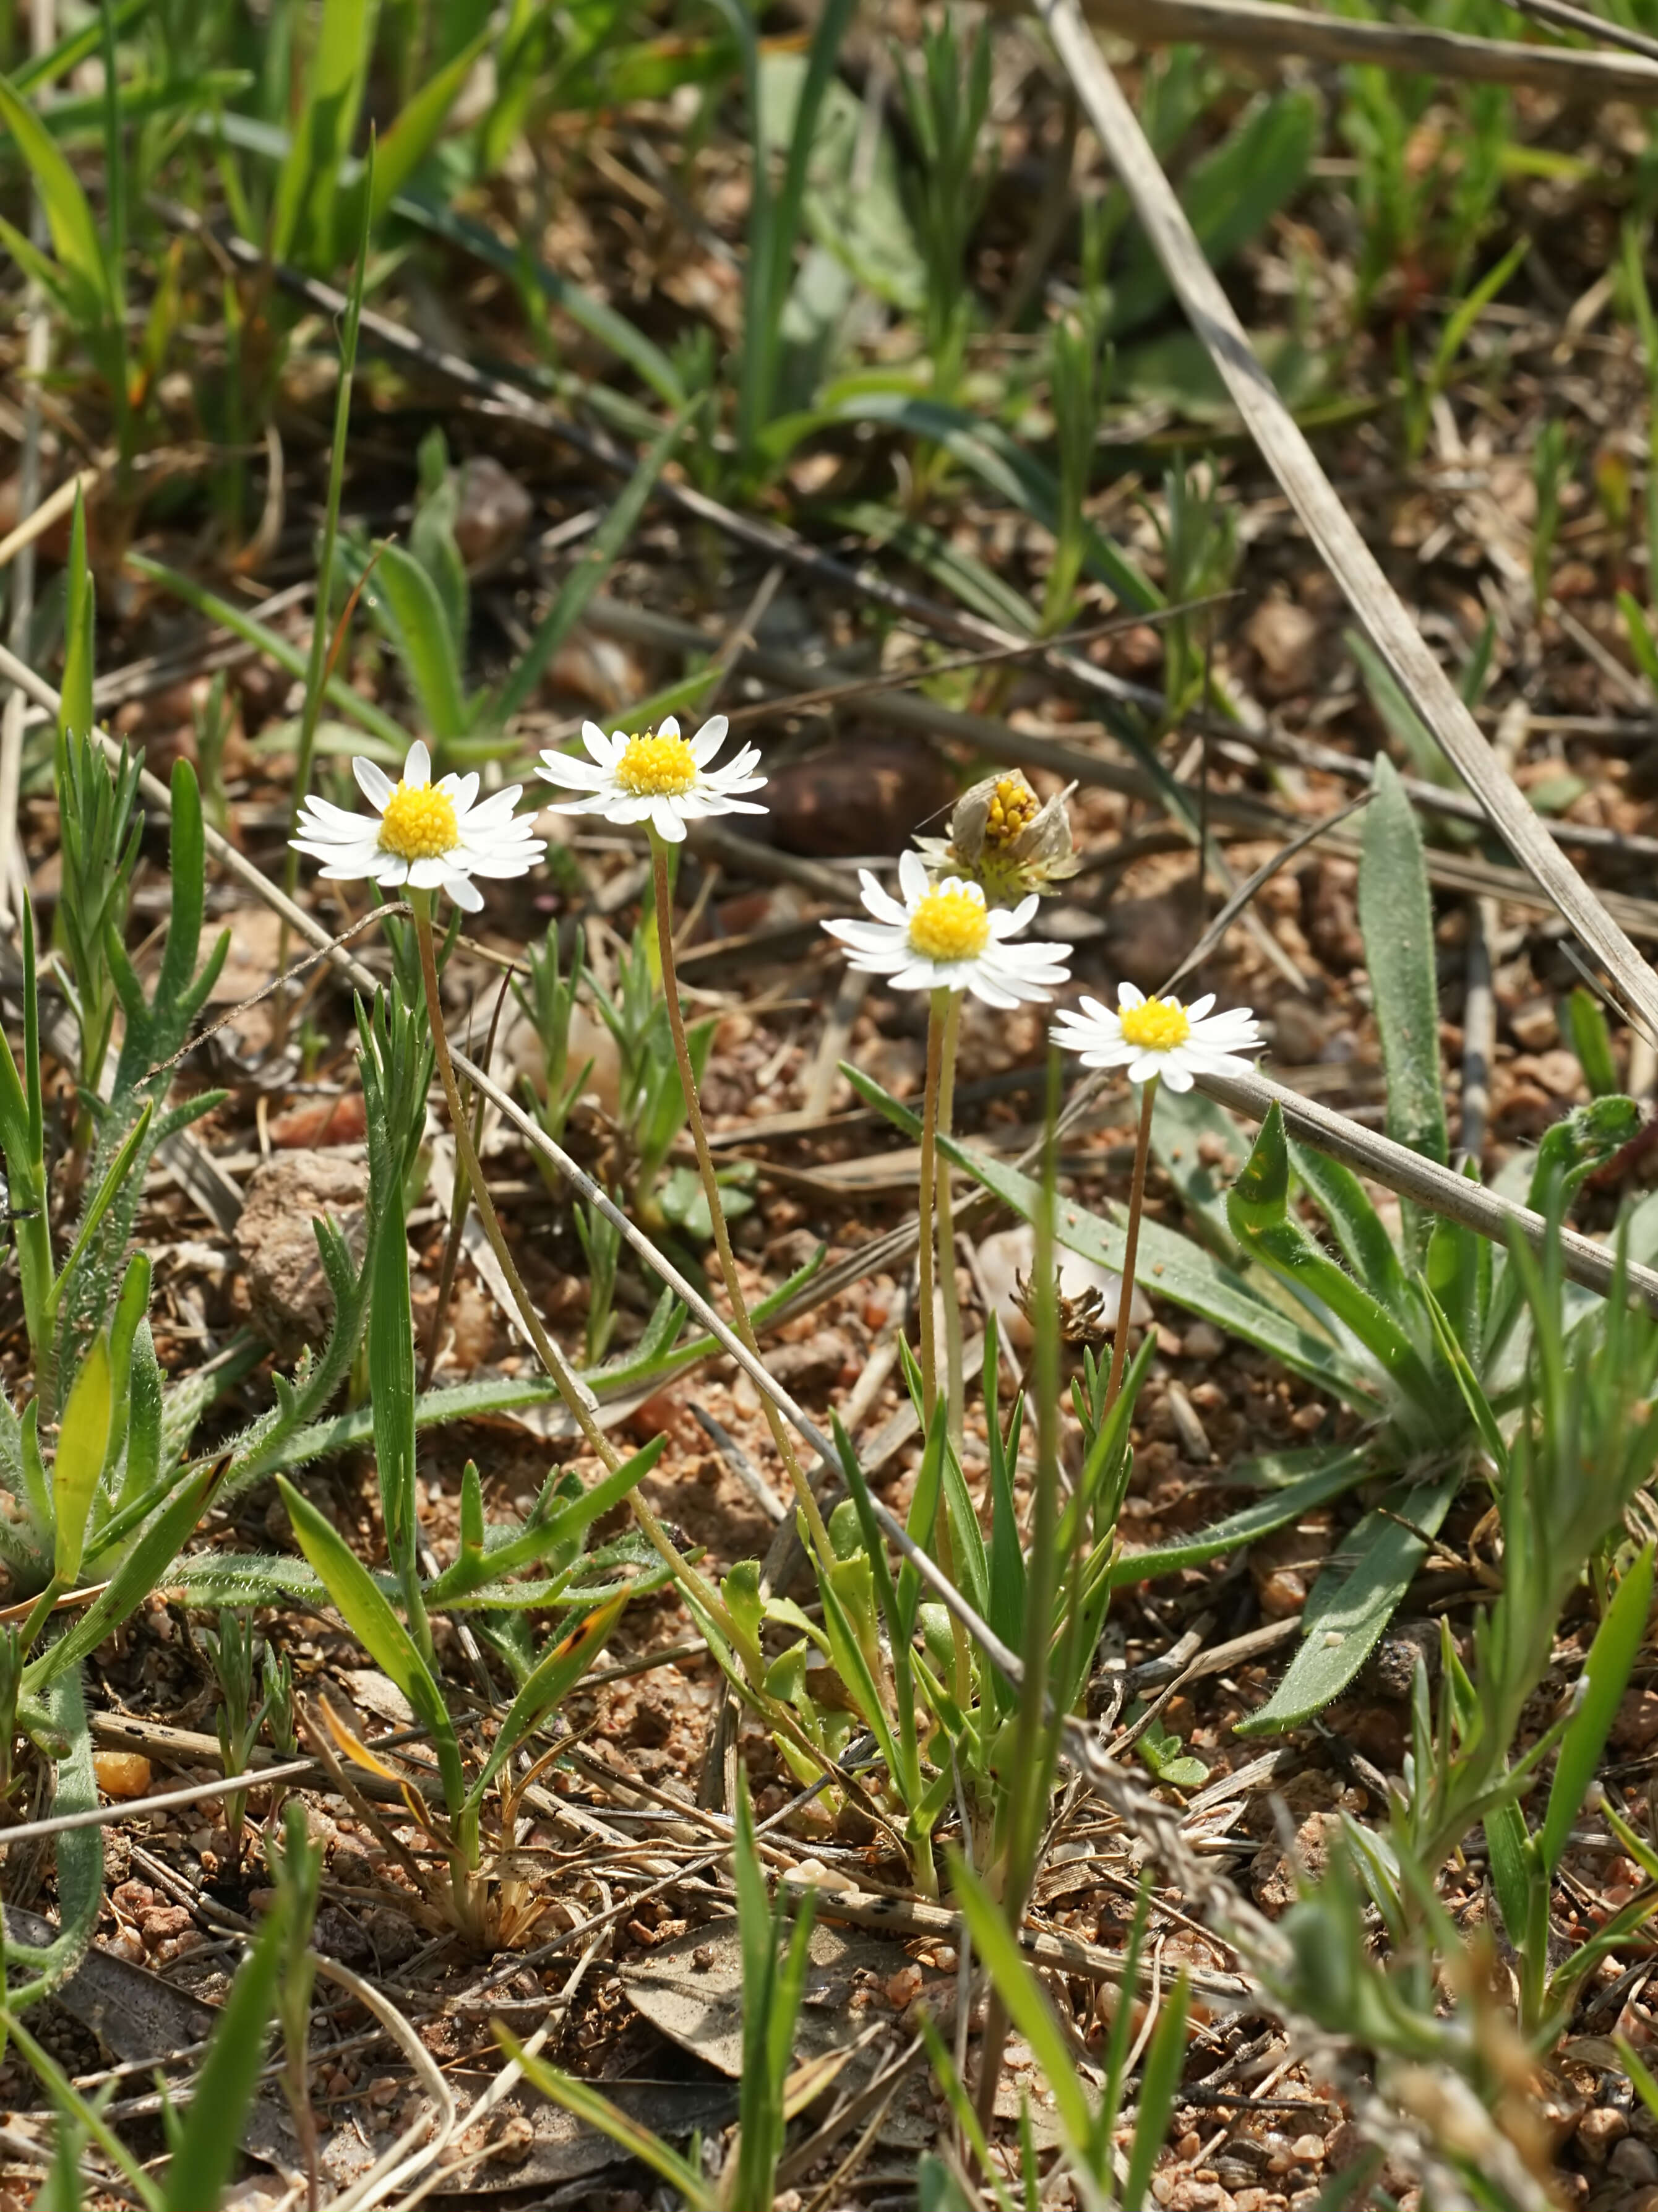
(1441, 1189)
(1255, 26)
(1327, 522)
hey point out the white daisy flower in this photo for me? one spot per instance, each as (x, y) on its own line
(945, 937)
(655, 776)
(1160, 1038)
(431, 837)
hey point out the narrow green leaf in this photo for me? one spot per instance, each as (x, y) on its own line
(1606, 1675)
(1356, 1224)
(1343, 1469)
(1230, 196)
(369, 1616)
(139, 1573)
(392, 1370)
(1028, 2008)
(1353, 1602)
(82, 1443)
(404, 601)
(557, 1674)
(1591, 1040)
(274, 647)
(1259, 1210)
(1396, 915)
(584, 2103)
(414, 132)
(302, 226)
(1159, 2085)
(1515, 1869)
(74, 707)
(76, 238)
(210, 2144)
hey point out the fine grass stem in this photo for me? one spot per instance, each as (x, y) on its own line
(317, 666)
(745, 1327)
(578, 1400)
(1132, 1244)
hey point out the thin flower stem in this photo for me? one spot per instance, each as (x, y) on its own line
(1131, 1244)
(943, 1019)
(572, 1392)
(740, 1321)
(937, 1018)
(954, 1378)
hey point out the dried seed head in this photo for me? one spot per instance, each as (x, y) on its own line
(1006, 839)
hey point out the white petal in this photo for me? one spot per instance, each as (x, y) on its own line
(878, 964)
(372, 781)
(462, 789)
(1148, 1065)
(881, 903)
(668, 821)
(597, 743)
(430, 873)
(1130, 994)
(709, 739)
(868, 936)
(417, 768)
(912, 877)
(991, 993)
(493, 817)
(576, 775)
(668, 726)
(1177, 1078)
(323, 813)
(463, 892)
(1200, 1008)
(594, 803)
(391, 868)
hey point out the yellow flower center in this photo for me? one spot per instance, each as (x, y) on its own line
(419, 822)
(1012, 809)
(656, 768)
(950, 925)
(1155, 1025)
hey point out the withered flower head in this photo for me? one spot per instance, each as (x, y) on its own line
(1003, 838)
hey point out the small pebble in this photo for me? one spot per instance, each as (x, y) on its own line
(121, 1773)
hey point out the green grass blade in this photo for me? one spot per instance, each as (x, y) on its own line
(302, 220)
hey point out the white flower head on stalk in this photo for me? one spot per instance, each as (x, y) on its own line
(1160, 1038)
(430, 837)
(656, 776)
(943, 937)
